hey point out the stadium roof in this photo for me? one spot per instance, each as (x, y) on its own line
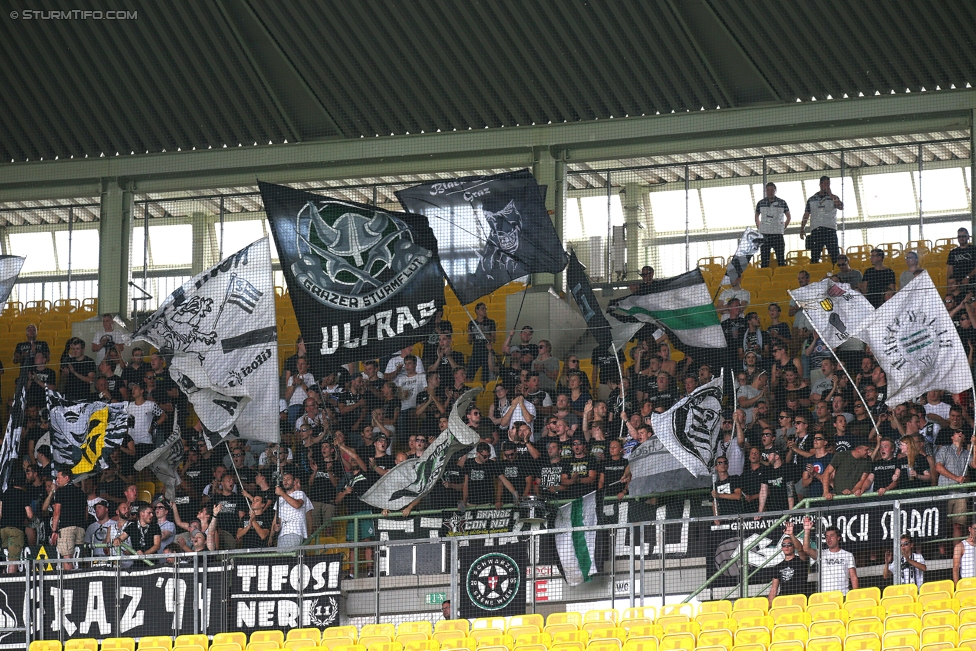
(196, 75)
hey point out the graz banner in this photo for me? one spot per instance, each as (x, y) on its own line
(283, 593)
(861, 528)
(101, 603)
(364, 282)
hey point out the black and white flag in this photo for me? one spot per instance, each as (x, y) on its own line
(605, 329)
(10, 266)
(11, 440)
(749, 245)
(417, 476)
(491, 230)
(220, 329)
(364, 282)
(84, 433)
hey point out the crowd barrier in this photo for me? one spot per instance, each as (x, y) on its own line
(247, 590)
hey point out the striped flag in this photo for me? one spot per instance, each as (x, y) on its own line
(11, 441)
(749, 245)
(682, 305)
(577, 549)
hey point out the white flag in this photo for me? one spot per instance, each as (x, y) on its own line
(220, 328)
(834, 309)
(915, 342)
(577, 550)
(690, 429)
(10, 266)
(749, 245)
(415, 477)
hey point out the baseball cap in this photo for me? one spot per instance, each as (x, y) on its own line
(99, 500)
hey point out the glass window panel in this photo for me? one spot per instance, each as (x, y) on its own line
(38, 248)
(238, 235)
(84, 249)
(668, 208)
(849, 197)
(942, 190)
(572, 227)
(138, 244)
(671, 260)
(888, 194)
(169, 245)
(728, 206)
(594, 211)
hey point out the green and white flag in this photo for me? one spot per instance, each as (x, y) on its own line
(577, 549)
(682, 305)
(916, 344)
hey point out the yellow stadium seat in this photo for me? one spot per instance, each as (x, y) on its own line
(678, 609)
(862, 642)
(496, 639)
(422, 626)
(939, 634)
(715, 607)
(909, 589)
(231, 638)
(859, 604)
(442, 625)
(526, 620)
(561, 637)
(45, 645)
(682, 627)
(900, 648)
(706, 647)
(799, 600)
(784, 632)
(300, 643)
(383, 646)
(552, 629)
(564, 646)
(912, 608)
(729, 625)
(940, 618)
(335, 642)
(900, 622)
(534, 639)
(967, 615)
(531, 647)
(966, 597)
(825, 644)
(864, 593)
(189, 640)
(268, 636)
(614, 634)
(937, 586)
(835, 597)
(786, 645)
(670, 619)
(701, 618)
(224, 646)
(968, 583)
(370, 641)
(752, 636)
(266, 645)
(751, 603)
(233, 647)
(968, 645)
(792, 618)
(865, 625)
(605, 645)
(749, 647)
(381, 629)
(934, 605)
(352, 647)
(827, 614)
(605, 615)
(644, 644)
(403, 638)
(676, 641)
(900, 638)
(447, 638)
(119, 643)
(565, 618)
(164, 641)
(928, 597)
(967, 631)
(937, 646)
(313, 634)
(756, 622)
(190, 647)
(739, 615)
(422, 645)
(828, 629)
(711, 638)
(871, 611)
(641, 632)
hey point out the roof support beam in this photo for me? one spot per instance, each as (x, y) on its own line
(583, 141)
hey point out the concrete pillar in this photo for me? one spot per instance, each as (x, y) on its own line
(115, 237)
(202, 245)
(549, 169)
(631, 201)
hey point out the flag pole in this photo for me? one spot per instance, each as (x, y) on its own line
(853, 383)
(620, 383)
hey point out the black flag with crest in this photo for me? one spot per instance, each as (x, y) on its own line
(11, 440)
(491, 230)
(579, 287)
(364, 282)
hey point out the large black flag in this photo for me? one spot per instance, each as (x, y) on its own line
(364, 282)
(491, 230)
(15, 427)
(579, 287)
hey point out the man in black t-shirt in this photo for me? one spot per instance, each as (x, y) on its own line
(615, 471)
(15, 510)
(776, 489)
(70, 516)
(962, 260)
(479, 477)
(26, 351)
(39, 379)
(878, 279)
(77, 372)
(255, 529)
(353, 407)
(727, 492)
(516, 470)
(550, 471)
(144, 535)
(580, 471)
(790, 575)
(752, 473)
(229, 508)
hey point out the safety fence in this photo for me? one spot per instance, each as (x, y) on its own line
(678, 553)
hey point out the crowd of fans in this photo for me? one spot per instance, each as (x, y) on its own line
(796, 424)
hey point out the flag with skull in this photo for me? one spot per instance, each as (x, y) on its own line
(491, 230)
(364, 282)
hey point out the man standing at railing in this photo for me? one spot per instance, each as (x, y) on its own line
(951, 463)
(727, 492)
(964, 556)
(772, 219)
(837, 568)
(790, 575)
(821, 212)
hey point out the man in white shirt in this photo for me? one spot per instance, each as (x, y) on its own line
(106, 338)
(821, 212)
(293, 504)
(735, 291)
(145, 414)
(394, 368)
(772, 218)
(912, 563)
(98, 531)
(837, 568)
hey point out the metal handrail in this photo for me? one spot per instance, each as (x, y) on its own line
(806, 503)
